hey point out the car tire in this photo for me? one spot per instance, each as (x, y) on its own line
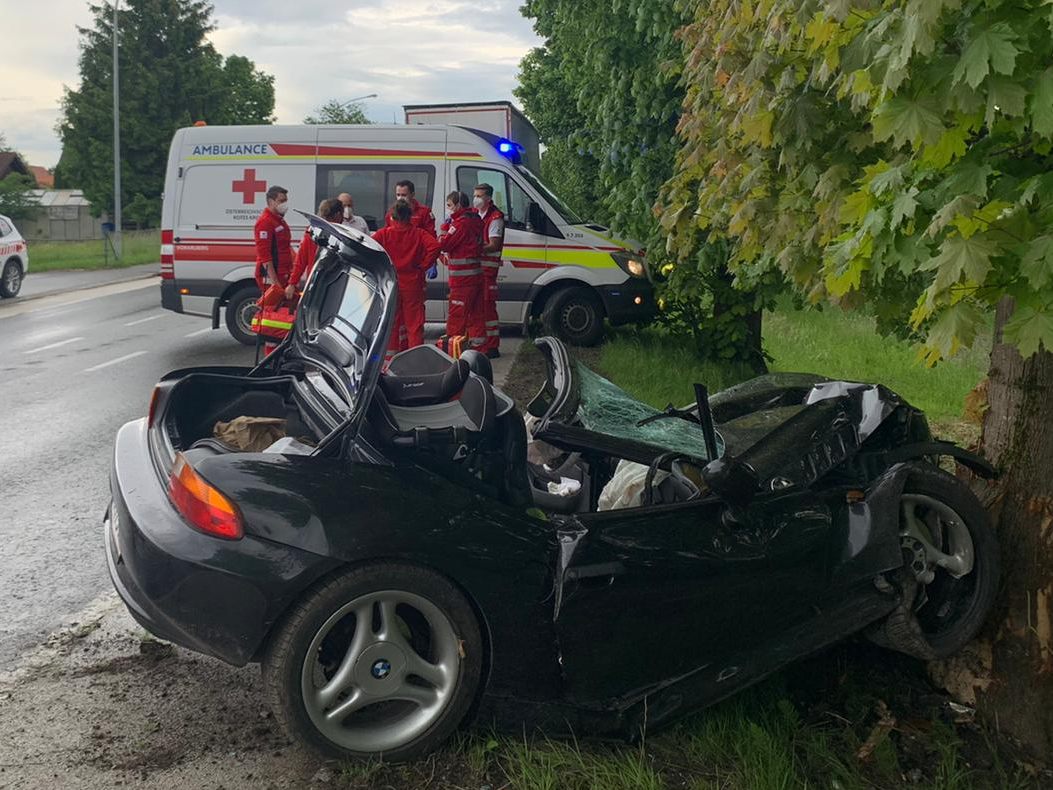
(318, 662)
(575, 316)
(943, 613)
(241, 306)
(11, 280)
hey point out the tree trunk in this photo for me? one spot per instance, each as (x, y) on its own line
(1009, 670)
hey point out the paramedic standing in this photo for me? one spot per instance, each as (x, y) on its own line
(463, 242)
(421, 215)
(412, 251)
(493, 243)
(331, 210)
(351, 219)
(273, 243)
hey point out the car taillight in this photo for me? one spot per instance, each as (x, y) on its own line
(201, 504)
(152, 411)
(167, 255)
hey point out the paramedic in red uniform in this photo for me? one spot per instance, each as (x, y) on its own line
(331, 210)
(412, 251)
(274, 257)
(422, 217)
(493, 243)
(463, 243)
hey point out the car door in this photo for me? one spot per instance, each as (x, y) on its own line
(650, 594)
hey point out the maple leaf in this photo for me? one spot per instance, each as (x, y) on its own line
(1004, 96)
(891, 178)
(1029, 330)
(1036, 264)
(992, 50)
(1042, 104)
(903, 207)
(905, 119)
(954, 328)
(960, 256)
(950, 146)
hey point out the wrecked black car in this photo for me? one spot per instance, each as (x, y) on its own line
(410, 554)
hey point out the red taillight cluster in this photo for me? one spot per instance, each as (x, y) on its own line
(167, 255)
(201, 504)
(152, 411)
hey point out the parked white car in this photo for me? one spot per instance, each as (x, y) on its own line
(14, 258)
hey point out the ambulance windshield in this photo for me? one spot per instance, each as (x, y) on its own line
(561, 208)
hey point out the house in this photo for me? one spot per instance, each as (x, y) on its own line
(10, 162)
(66, 216)
(45, 178)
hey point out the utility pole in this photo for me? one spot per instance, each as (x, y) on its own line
(116, 143)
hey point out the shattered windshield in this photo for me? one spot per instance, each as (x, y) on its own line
(607, 409)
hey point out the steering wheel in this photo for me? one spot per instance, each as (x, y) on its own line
(685, 488)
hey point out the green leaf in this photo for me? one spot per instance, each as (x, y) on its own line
(1042, 104)
(905, 119)
(991, 50)
(1036, 264)
(882, 182)
(1004, 96)
(904, 206)
(956, 327)
(1029, 330)
(950, 146)
(960, 256)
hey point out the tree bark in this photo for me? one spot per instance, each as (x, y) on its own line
(1009, 671)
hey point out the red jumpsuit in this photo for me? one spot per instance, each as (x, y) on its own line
(422, 217)
(412, 251)
(493, 228)
(305, 256)
(463, 242)
(273, 243)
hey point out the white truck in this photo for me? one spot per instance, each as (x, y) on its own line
(569, 273)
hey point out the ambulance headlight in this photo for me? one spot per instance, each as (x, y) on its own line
(630, 264)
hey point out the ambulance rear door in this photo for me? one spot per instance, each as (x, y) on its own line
(367, 162)
(224, 176)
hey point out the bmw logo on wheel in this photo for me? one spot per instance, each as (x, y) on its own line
(381, 669)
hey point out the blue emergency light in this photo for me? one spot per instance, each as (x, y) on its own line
(505, 147)
(509, 149)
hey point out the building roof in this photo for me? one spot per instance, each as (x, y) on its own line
(45, 178)
(59, 197)
(10, 162)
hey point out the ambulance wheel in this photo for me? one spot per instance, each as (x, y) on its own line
(241, 307)
(11, 280)
(575, 316)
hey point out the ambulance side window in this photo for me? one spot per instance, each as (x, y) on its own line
(373, 186)
(513, 201)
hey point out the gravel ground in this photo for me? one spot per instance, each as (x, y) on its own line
(102, 704)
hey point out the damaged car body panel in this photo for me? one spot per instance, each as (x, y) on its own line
(653, 562)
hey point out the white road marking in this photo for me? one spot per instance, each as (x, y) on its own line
(55, 300)
(125, 358)
(144, 320)
(54, 345)
(204, 331)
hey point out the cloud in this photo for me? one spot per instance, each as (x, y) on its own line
(406, 52)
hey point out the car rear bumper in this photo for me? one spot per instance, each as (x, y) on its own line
(209, 595)
(629, 302)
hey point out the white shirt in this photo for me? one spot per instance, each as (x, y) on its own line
(357, 223)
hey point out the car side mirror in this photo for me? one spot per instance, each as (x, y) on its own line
(535, 218)
(734, 481)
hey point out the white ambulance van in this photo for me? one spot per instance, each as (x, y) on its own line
(558, 268)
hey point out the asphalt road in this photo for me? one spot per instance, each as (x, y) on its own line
(74, 367)
(70, 376)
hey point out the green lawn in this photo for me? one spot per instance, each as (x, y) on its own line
(659, 369)
(141, 246)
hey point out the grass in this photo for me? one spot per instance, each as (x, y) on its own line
(830, 343)
(140, 246)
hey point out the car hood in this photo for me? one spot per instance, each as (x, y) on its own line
(345, 315)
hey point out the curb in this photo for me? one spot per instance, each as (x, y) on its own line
(74, 289)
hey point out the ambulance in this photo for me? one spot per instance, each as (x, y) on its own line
(569, 274)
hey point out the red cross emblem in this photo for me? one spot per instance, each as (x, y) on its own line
(248, 186)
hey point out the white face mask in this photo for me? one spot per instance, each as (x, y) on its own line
(478, 202)
(281, 208)
(348, 213)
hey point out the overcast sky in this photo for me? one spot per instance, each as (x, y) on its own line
(406, 51)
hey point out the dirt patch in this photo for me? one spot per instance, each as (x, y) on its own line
(528, 371)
